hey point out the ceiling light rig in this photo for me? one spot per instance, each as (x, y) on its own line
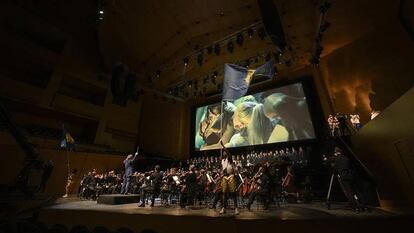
(323, 27)
(100, 11)
(216, 47)
(200, 84)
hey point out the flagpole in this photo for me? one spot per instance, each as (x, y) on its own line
(221, 127)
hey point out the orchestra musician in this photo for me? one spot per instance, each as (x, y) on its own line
(288, 184)
(154, 188)
(261, 185)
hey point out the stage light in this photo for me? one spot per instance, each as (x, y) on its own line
(239, 39)
(185, 61)
(230, 46)
(158, 73)
(213, 80)
(250, 32)
(200, 58)
(190, 84)
(101, 12)
(261, 32)
(247, 63)
(215, 74)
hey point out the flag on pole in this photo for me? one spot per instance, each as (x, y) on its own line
(237, 79)
(67, 140)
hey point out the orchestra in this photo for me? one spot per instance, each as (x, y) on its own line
(206, 181)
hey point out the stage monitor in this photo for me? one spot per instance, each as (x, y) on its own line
(273, 116)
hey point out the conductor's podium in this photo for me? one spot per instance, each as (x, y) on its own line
(118, 199)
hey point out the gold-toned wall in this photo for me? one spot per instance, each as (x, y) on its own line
(165, 127)
(385, 145)
(12, 160)
(371, 72)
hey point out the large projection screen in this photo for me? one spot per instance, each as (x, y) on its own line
(276, 115)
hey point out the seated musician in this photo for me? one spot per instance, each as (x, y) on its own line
(154, 188)
(261, 185)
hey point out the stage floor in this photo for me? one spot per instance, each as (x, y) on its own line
(287, 211)
(290, 217)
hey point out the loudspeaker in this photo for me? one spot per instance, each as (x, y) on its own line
(272, 23)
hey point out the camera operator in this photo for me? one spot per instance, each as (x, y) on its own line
(343, 170)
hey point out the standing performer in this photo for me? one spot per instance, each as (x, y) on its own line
(228, 182)
(69, 182)
(129, 169)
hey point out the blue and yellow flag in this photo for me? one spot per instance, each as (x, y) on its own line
(67, 140)
(237, 79)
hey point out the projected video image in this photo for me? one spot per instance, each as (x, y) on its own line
(277, 115)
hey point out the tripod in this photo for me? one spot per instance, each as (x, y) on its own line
(352, 197)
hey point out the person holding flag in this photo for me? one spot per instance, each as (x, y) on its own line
(67, 142)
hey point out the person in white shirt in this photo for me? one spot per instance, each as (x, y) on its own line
(228, 182)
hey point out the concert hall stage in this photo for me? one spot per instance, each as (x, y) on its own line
(289, 218)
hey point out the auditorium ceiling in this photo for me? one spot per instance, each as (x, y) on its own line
(152, 35)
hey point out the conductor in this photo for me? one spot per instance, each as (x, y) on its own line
(129, 169)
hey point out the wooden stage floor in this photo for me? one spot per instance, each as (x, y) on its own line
(297, 217)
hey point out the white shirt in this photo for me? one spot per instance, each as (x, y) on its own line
(227, 166)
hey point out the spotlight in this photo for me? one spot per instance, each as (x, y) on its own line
(190, 84)
(230, 46)
(250, 32)
(158, 73)
(101, 12)
(185, 61)
(324, 27)
(239, 39)
(213, 80)
(217, 49)
(277, 56)
(200, 58)
(261, 32)
(247, 63)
